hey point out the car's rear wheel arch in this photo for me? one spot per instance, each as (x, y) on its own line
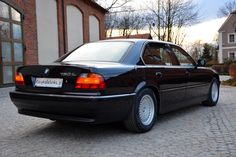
(213, 93)
(216, 77)
(143, 85)
(157, 95)
(134, 122)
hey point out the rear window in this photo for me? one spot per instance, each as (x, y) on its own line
(100, 51)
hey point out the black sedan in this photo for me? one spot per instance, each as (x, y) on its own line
(129, 80)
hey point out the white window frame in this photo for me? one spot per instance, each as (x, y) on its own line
(234, 38)
(230, 53)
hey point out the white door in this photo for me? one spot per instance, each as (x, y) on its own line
(74, 27)
(47, 30)
(93, 28)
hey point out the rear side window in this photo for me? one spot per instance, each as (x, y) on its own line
(183, 57)
(157, 54)
(100, 51)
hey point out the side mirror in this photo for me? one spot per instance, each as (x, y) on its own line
(201, 62)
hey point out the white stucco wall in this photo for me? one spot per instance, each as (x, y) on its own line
(220, 53)
(47, 30)
(74, 27)
(93, 28)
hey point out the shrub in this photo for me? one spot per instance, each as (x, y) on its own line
(221, 68)
(232, 70)
(229, 61)
(230, 82)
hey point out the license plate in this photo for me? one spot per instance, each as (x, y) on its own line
(49, 82)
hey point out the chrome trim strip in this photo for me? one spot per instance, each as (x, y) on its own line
(82, 94)
(185, 87)
(77, 96)
(165, 67)
(198, 85)
(173, 89)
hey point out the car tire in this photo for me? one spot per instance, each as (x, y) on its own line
(213, 94)
(144, 112)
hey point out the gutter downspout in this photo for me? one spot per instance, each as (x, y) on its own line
(64, 28)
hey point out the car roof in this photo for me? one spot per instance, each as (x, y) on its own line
(139, 40)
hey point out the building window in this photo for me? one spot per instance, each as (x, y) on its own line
(11, 43)
(231, 38)
(232, 55)
(4, 10)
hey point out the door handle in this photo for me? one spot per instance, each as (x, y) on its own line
(159, 74)
(187, 73)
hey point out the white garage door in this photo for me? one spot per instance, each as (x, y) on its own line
(74, 27)
(93, 28)
(47, 27)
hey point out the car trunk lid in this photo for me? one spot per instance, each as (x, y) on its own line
(57, 78)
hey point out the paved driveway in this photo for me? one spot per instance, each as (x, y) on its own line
(192, 132)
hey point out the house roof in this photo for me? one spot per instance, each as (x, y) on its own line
(226, 21)
(137, 36)
(93, 3)
(234, 12)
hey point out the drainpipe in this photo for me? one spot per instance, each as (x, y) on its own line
(64, 28)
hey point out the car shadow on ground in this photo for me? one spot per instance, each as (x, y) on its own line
(68, 129)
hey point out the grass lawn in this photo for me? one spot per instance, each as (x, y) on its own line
(230, 82)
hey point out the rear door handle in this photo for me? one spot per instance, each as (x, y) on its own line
(187, 72)
(159, 74)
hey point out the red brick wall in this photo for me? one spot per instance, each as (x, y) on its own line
(28, 8)
(61, 28)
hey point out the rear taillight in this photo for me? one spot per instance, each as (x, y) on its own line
(90, 81)
(19, 79)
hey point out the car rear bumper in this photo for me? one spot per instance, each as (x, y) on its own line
(91, 109)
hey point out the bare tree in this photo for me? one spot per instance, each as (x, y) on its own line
(170, 16)
(111, 19)
(228, 8)
(139, 21)
(150, 21)
(126, 22)
(196, 49)
(111, 23)
(112, 4)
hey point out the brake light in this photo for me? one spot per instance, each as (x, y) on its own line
(19, 79)
(90, 81)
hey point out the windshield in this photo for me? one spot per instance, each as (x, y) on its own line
(100, 51)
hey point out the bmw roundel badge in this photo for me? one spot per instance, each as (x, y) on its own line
(46, 72)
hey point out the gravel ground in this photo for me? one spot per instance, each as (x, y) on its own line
(192, 132)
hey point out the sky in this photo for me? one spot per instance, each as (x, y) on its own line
(206, 32)
(207, 28)
(208, 8)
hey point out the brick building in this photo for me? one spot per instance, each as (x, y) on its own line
(39, 31)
